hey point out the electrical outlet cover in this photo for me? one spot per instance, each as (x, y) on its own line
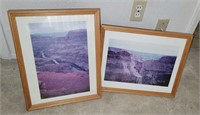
(162, 24)
(138, 10)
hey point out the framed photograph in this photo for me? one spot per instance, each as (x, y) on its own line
(58, 53)
(142, 61)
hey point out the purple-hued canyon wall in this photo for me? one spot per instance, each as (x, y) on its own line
(138, 67)
(61, 62)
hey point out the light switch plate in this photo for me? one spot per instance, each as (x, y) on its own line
(138, 9)
(162, 24)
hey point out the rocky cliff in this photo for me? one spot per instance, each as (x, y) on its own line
(61, 62)
(128, 66)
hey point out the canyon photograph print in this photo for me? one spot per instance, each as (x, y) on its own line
(61, 57)
(138, 67)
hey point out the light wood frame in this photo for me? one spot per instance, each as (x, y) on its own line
(188, 38)
(27, 13)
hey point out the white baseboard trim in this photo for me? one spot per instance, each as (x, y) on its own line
(194, 20)
(11, 56)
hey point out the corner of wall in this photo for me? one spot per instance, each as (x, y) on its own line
(194, 20)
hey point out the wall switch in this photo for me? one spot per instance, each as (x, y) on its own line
(138, 10)
(162, 24)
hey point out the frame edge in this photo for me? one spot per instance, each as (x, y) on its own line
(20, 60)
(188, 38)
(12, 14)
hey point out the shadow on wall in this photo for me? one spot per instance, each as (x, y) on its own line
(195, 42)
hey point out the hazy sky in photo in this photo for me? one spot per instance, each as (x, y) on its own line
(145, 47)
(55, 27)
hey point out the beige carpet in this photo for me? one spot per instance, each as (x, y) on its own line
(186, 101)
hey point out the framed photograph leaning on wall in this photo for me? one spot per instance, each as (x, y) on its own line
(142, 61)
(58, 53)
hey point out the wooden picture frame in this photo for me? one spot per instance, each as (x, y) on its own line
(142, 61)
(58, 53)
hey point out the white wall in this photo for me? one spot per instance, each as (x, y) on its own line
(4, 49)
(183, 14)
